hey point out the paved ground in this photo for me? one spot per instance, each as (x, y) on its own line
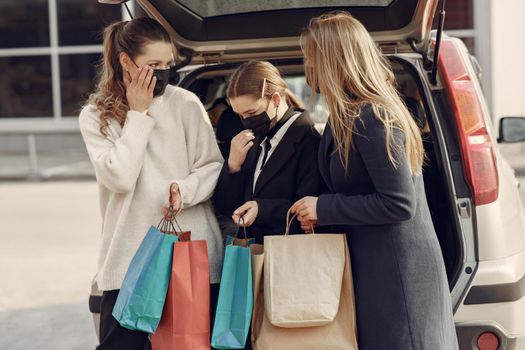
(48, 246)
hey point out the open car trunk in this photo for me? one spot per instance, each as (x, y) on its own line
(209, 83)
(226, 31)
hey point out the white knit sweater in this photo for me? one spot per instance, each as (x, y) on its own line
(135, 166)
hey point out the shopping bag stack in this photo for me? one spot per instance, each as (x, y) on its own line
(166, 290)
(295, 292)
(185, 322)
(141, 297)
(303, 293)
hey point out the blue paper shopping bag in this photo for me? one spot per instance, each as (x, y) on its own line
(141, 298)
(235, 304)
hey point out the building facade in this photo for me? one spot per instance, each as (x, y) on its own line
(49, 50)
(48, 53)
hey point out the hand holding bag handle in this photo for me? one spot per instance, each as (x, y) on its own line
(235, 240)
(241, 223)
(289, 223)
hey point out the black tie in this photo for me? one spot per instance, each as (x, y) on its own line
(267, 146)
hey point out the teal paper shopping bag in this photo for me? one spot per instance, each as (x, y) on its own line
(235, 304)
(239, 241)
(141, 298)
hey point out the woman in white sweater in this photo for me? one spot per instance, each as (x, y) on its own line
(146, 140)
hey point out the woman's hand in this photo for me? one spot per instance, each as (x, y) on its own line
(306, 211)
(139, 90)
(174, 203)
(239, 147)
(248, 212)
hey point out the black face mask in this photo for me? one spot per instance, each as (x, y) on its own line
(259, 124)
(163, 77)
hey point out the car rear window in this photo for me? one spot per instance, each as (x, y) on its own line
(224, 7)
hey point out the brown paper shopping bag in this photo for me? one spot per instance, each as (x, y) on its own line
(303, 278)
(340, 334)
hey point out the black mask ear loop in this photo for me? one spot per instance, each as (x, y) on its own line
(275, 119)
(136, 65)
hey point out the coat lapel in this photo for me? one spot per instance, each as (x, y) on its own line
(283, 152)
(251, 164)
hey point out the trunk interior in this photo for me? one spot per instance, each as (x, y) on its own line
(210, 82)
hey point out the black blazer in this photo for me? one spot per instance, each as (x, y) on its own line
(291, 173)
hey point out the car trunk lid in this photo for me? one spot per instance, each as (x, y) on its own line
(229, 31)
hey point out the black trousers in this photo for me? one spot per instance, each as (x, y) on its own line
(115, 337)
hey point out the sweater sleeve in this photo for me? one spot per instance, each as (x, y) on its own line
(203, 154)
(117, 162)
(394, 199)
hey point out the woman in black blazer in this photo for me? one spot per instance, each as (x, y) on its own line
(273, 162)
(371, 158)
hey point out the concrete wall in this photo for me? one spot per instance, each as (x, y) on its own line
(507, 57)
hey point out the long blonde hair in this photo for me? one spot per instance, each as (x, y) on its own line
(343, 62)
(130, 37)
(260, 79)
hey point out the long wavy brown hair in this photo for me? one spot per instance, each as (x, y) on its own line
(130, 37)
(343, 62)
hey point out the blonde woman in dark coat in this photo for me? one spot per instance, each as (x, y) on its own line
(371, 157)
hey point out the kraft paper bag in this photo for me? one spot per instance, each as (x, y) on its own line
(303, 278)
(340, 334)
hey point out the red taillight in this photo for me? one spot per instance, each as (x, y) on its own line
(477, 149)
(488, 341)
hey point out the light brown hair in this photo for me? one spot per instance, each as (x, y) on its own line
(260, 79)
(343, 62)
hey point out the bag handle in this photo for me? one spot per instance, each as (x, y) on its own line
(165, 225)
(289, 222)
(241, 222)
(174, 218)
